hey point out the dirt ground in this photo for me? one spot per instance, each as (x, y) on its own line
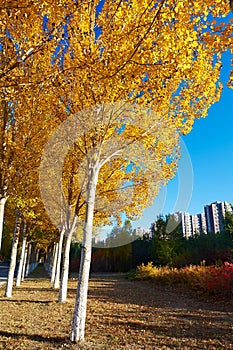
(121, 314)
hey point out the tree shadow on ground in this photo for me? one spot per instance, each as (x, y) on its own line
(35, 289)
(184, 329)
(19, 301)
(149, 294)
(34, 337)
(164, 311)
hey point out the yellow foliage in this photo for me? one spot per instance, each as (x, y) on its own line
(164, 56)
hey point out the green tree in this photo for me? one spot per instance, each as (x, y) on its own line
(166, 246)
(141, 251)
(228, 223)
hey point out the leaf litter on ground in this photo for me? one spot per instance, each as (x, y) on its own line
(121, 314)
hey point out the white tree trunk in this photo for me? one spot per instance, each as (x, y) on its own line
(24, 263)
(54, 263)
(37, 255)
(65, 266)
(79, 318)
(50, 261)
(10, 280)
(65, 270)
(22, 257)
(27, 271)
(2, 208)
(58, 265)
(47, 261)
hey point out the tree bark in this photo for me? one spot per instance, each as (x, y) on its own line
(65, 270)
(27, 271)
(22, 257)
(2, 208)
(58, 265)
(37, 255)
(24, 263)
(47, 262)
(51, 256)
(65, 266)
(79, 318)
(10, 280)
(53, 272)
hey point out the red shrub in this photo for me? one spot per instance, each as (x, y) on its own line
(220, 278)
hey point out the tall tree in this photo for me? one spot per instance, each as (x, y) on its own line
(161, 56)
(22, 256)
(10, 279)
(165, 56)
(173, 70)
(30, 35)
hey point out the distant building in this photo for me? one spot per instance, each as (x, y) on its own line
(215, 213)
(202, 223)
(198, 223)
(141, 231)
(186, 224)
(209, 221)
(195, 224)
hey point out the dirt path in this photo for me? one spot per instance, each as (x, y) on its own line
(122, 314)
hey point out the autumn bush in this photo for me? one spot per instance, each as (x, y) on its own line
(220, 278)
(208, 279)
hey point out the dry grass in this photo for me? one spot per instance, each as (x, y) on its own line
(122, 314)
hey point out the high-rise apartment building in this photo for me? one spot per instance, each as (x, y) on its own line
(202, 223)
(198, 223)
(210, 221)
(195, 224)
(184, 219)
(215, 213)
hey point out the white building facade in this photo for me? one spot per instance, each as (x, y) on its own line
(215, 213)
(210, 221)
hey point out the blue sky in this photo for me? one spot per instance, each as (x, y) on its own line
(210, 147)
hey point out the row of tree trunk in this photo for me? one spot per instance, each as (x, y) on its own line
(27, 262)
(57, 266)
